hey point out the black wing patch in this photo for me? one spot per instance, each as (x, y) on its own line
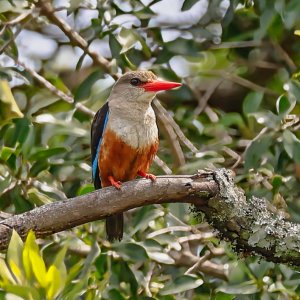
(98, 127)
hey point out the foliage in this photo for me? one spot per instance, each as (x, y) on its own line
(24, 273)
(239, 63)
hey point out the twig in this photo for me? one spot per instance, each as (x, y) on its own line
(177, 129)
(84, 109)
(46, 83)
(241, 44)
(197, 266)
(171, 138)
(241, 81)
(187, 259)
(202, 100)
(14, 36)
(147, 280)
(285, 57)
(261, 133)
(47, 10)
(196, 237)
(213, 117)
(159, 162)
(234, 155)
(19, 18)
(168, 229)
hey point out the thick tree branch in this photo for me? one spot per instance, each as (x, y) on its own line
(253, 225)
(62, 215)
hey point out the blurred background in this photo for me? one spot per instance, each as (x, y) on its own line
(238, 108)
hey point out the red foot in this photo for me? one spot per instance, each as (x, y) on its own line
(116, 184)
(147, 176)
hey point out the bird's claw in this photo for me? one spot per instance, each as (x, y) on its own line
(147, 176)
(116, 184)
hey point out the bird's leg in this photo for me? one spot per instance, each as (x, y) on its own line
(116, 184)
(147, 176)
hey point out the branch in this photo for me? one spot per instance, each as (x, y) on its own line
(171, 137)
(253, 226)
(75, 38)
(48, 85)
(183, 139)
(62, 215)
(241, 81)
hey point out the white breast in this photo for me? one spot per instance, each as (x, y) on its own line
(136, 129)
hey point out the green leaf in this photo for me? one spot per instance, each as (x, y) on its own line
(14, 256)
(85, 189)
(231, 119)
(25, 292)
(161, 257)
(8, 106)
(5, 273)
(93, 254)
(38, 167)
(256, 151)
(144, 216)
(187, 4)
(54, 282)
(284, 106)
(23, 127)
(294, 90)
(33, 260)
(5, 75)
(288, 142)
(267, 118)
(84, 89)
(6, 152)
(181, 284)
(125, 274)
(128, 38)
(115, 294)
(114, 46)
(291, 145)
(80, 61)
(244, 288)
(41, 101)
(252, 102)
(46, 153)
(276, 183)
(59, 262)
(131, 251)
(223, 296)
(37, 197)
(261, 268)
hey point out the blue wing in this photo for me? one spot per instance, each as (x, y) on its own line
(98, 127)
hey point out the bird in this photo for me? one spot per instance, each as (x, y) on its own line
(124, 136)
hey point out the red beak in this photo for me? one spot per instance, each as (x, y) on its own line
(158, 85)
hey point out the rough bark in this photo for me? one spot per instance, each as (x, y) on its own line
(253, 225)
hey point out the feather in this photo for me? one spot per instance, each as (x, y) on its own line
(98, 126)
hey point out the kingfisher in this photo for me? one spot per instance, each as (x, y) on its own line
(124, 136)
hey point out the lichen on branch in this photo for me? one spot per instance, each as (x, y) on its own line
(252, 225)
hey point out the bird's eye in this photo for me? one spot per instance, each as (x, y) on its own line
(135, 81)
